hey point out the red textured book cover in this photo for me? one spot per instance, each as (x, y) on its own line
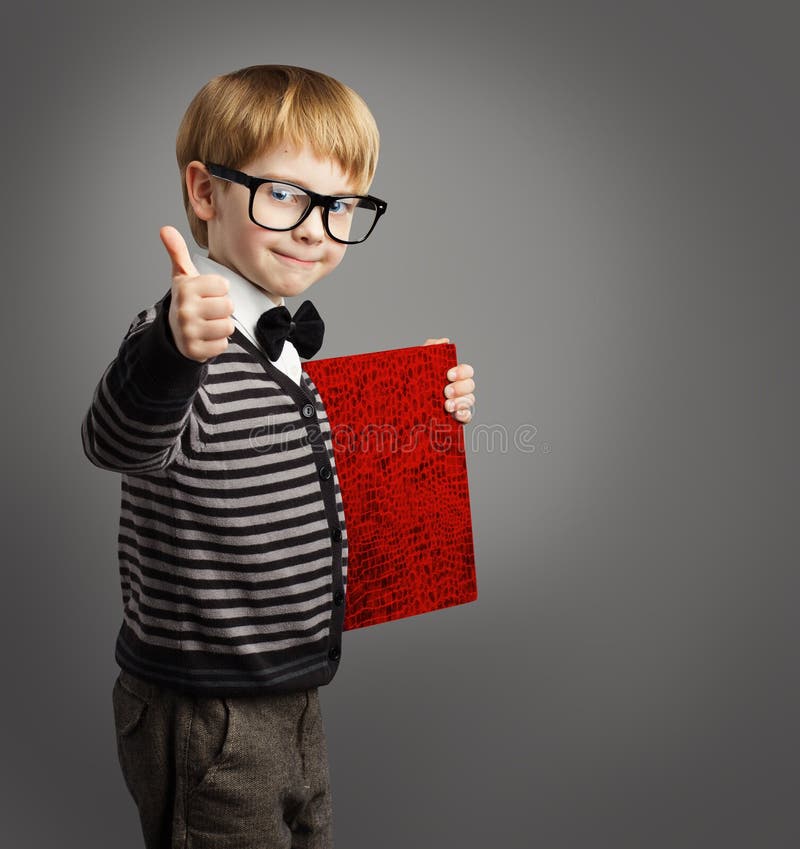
(403, 477)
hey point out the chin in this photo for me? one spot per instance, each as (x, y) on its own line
(294, 291)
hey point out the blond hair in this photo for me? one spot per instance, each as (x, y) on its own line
(244, 114)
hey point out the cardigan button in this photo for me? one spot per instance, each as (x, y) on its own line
(308, 410)
(338, 598)
(325, 473)
(336, 533)
(335, 653)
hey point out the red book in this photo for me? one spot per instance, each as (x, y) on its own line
(403, 476)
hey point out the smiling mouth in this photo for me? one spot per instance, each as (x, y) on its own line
(293, 259)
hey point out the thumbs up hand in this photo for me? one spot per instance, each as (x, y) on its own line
(200, 311)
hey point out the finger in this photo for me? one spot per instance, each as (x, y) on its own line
(460, 403)
(217, 347)
(459, 387)
(210, 286)
(201, 351)
(218, 328)
(211, 306)
(435, 341)
(461, 370)
(182, 265)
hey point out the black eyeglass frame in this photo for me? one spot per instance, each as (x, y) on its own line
(325, 201)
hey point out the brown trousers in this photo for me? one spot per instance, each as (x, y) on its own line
(247, 772)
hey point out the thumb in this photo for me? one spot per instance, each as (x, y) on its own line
(182, 265)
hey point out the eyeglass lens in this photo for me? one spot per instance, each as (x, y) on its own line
(281, 206)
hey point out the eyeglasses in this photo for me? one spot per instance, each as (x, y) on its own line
(279, 205)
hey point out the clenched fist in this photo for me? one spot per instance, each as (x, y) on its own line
(200, 311)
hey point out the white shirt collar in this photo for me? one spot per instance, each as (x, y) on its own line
(249, 302)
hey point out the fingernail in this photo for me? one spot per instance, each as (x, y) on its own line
(452, 374)
(450, 406)
(449, 391)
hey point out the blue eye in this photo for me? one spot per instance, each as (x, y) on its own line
(281, 194)
(340, 207)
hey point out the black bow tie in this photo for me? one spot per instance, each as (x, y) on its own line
(305, 330)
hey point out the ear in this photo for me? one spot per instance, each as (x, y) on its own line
(199, 188)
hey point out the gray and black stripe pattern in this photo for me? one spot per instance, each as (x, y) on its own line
(232, 542)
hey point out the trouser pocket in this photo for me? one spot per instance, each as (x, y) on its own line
(211, 740)
(130, 715)
(145, 742)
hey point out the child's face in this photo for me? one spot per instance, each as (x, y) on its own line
(285, 263)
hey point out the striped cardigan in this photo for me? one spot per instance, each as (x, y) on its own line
(232, 543)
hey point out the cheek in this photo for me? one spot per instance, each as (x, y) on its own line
(254, 239)
(337, 255)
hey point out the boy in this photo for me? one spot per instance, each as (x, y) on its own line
(232, 551)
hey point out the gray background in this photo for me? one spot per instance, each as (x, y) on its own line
(598, 203)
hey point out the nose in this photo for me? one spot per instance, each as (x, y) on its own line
(312, 229)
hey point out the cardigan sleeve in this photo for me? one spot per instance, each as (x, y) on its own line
(143, 399)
